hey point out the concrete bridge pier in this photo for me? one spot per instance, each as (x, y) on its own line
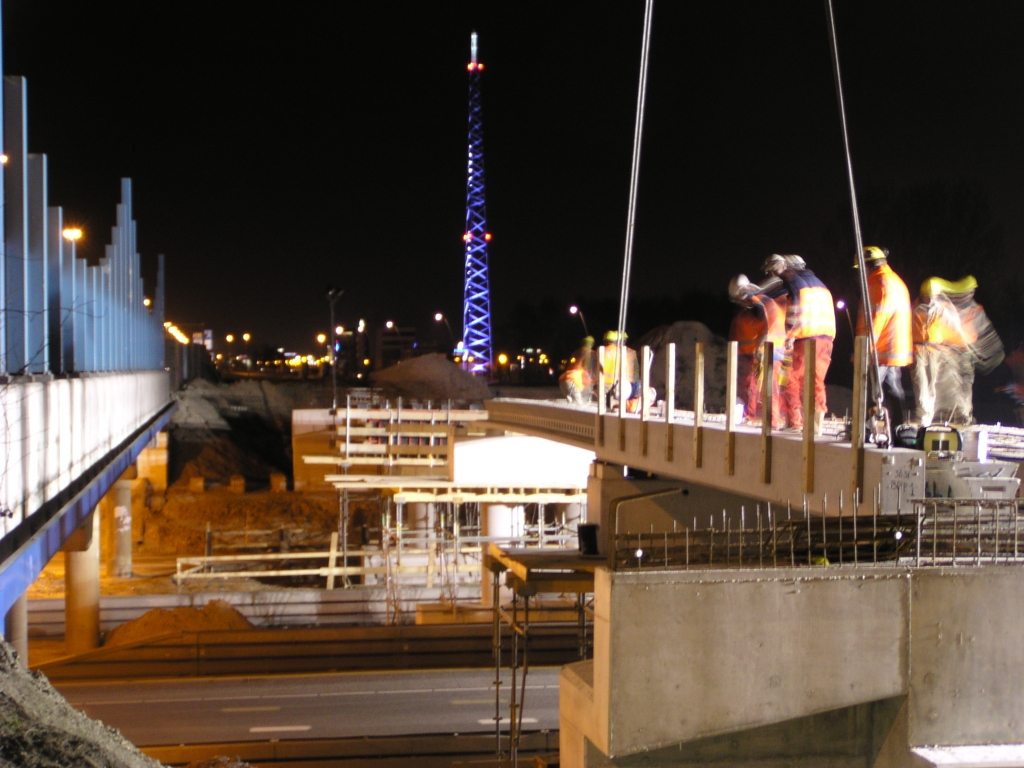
(82, 587)
(16, 628)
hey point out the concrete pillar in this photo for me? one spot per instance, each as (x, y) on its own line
(16, 628)
(122, 529)
(82, 587)
(418, 517)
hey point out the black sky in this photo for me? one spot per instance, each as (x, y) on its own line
(279, 148)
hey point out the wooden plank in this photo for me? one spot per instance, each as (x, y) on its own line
(698, 405)
(810, 362)
(730, 407)
(767, 392)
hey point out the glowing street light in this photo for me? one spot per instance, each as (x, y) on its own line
(339, 330)
(841, 305)
(574, 310)
(321, 338)
(229, 338)
(72, 234)
(147, 302)
(389, 325)
(502, 358)
(246, 337)
(439, 318)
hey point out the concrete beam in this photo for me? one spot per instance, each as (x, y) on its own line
(670, 450)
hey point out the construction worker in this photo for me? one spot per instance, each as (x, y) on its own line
(577, 383)
(938, 338)
(970, 343)
(890, 324)
(810, 314)
(612, 367)
(759, 320)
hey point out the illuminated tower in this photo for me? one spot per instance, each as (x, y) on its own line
(476, 311)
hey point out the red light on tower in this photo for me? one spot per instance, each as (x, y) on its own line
(471, 66)
(480, 67)
(487, 237)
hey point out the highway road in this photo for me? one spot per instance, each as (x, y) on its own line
(319, 706)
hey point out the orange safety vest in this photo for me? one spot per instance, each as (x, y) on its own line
(891, 319)
(938, 324)
(763, 322)
(611, 368)
(810, 312)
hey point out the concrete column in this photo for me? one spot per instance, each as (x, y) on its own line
(82, 587)
(123, 528)
(16, 628)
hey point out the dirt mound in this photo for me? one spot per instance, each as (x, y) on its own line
(39, 729)
(685, 335)
(431, 377)
(215, 615)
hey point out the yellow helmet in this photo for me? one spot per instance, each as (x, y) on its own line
(934, 286)
(873, 253)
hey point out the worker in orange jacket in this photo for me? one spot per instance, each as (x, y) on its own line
(759, 320)
(891, 326)
(810, 314)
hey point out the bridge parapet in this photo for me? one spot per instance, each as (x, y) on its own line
(777, 468)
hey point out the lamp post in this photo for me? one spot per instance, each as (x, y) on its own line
(72, 235)
(841, 304)
(439, 318)
(333, 294)
(574, 310)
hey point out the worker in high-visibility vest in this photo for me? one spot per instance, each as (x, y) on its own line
(759, 320)
(612, 367)
(890, 324)
(577, 383)
(810, 314)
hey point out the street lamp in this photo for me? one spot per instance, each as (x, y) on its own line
(229, 338)
(321, 338)
(574, 310)
(439, 317)
(841, 305)
(333, 294)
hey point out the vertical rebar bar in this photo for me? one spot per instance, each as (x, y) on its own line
(807, 517)
(496, 644)
(792, 542)
(874, 526)
(760, 539)
(856, 541)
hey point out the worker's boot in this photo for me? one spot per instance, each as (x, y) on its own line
(819, 422)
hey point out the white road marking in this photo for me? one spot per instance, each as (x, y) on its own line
(249, 709)
(275, 728)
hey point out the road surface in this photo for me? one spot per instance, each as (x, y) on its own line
(317, 706)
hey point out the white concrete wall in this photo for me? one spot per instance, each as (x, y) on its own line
(52, 431)
(521, 461)
(686, 655)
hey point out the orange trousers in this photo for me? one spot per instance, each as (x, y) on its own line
(793, 393)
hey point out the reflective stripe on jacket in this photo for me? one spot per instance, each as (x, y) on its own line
(890, 303)
(810, 311)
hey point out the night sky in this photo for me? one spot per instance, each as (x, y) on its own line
(280, 148)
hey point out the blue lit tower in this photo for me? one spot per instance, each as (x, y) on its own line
(476, 311)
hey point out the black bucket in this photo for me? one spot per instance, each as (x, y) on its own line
(587, 533)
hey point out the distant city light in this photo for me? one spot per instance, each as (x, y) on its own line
(487, 237)
(246, 337)
(502, 358)
(840, 304)
(146, 302)
(72, 233)
(389, 325)
(438, 317)
(339, 330)
(361, 327)
(321, 338)
(229, 338)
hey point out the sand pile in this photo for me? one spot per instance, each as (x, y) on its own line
(39, 729)
(179, 527)
(685, 335)
(215, 615)
(431, 377)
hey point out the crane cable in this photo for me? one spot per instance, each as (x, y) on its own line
(627, 263)
(865, 298)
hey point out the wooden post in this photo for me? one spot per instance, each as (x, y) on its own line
(698, 405)
(767, 391)
(732, 351)
(621, 362)
(810, 350)
(602, 402)
(859, 417)
(670, 399)
(332, 559)
(645, 401)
